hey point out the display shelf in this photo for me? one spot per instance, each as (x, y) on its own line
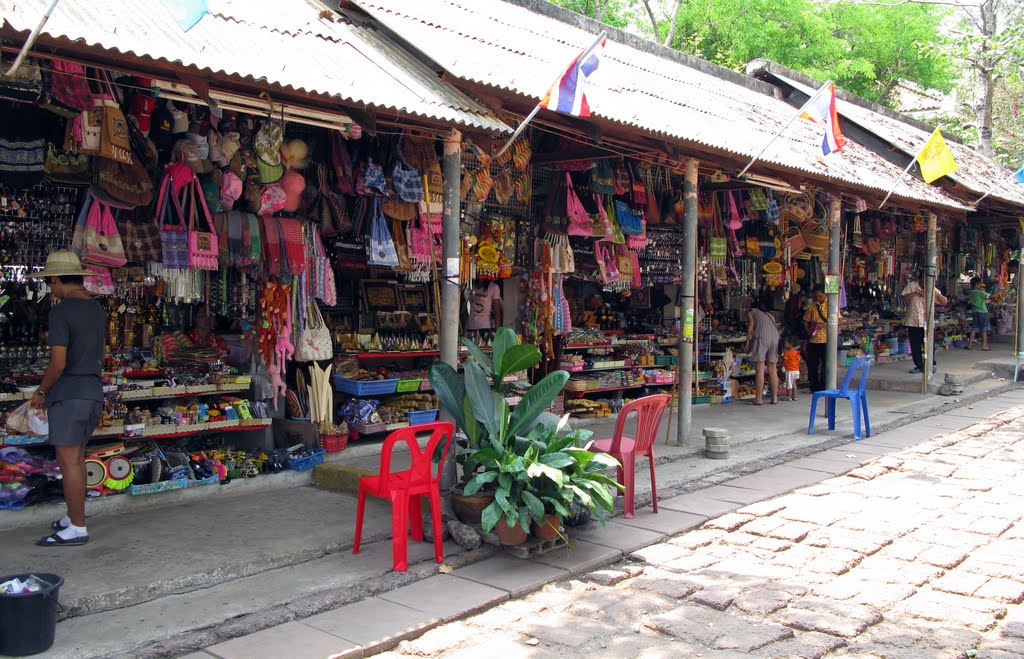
(605, 368)
(180, 392)
(394, 355)
(580, 394)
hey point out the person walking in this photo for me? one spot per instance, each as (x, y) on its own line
(72, 387)
(763, 348)
(816, 319)
(915, 321)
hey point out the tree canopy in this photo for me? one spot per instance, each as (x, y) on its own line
(865, 49)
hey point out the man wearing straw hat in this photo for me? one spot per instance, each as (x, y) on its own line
(72, 387)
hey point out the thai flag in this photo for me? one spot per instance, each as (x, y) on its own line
(821, 109)
(566, 95)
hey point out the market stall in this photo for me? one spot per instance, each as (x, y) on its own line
(254, 272)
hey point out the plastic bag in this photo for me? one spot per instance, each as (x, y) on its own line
(26, 421)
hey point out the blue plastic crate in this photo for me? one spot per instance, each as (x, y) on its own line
(308, 462)
(423, 416)
(365, 387)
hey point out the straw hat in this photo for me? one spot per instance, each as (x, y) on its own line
(62, 263)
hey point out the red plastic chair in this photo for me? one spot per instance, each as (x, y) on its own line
(405, 489)
(649, 411)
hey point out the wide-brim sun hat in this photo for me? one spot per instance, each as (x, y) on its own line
(62, 263)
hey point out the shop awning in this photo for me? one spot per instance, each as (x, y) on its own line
(296, 45)
(977, 173)
(654, 89)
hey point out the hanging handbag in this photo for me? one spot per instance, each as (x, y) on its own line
(203, 246)
(405, 180)
(141, 237)
(431, 207)
(631, 221)
(114, 140)
(174, 246)
(314, 341)
(102, 245)
(370, 180)
(66, 167)
(419, 240)
(126, 184)
(772, 211)
(637, 190)
(68, 85)
(381, 249)
(602, 177)
(100, 284)
(606, 263)
(579, 222)
(342, 163)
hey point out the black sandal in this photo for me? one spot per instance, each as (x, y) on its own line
(54, 540)
(56, 525)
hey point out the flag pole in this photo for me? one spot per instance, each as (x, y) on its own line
(582, 58)
(893, 189)
(995, 187)
(799, 112)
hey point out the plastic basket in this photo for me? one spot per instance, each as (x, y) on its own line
(426, 386)
(405, 386)
(700, 400)
(369, 428)
(424, 416)
(664, 360)
(154, 488)
(365, 387)
(334, 443)
(302, 464)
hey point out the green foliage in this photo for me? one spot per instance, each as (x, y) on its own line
(865, 49)
(541, 471)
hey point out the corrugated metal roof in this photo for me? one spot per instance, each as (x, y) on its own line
(285, 43)
(976, 172)
(513, 48)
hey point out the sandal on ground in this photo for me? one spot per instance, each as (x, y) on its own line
(986, 349)
(754, 402)
(54, 540)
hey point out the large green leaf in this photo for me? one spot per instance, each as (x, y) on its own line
(478, 481)
(492, 513)
(479, 355)
(534, 505)
(480, 397)
(536, 470)
(516, 358)
(449, 389)
(504, 338)
(469, 423)
(536, 400)
(557, 460)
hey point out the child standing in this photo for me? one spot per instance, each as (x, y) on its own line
(791, 364)
(978, 298)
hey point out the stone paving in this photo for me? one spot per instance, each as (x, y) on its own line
(904, 545)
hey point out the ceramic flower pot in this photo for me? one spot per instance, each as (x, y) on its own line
(509, 535)
(547, 528)
(469, 508)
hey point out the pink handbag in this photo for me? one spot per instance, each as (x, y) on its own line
(102, 244)
(579, 221)
(102, 283)
(203, 247)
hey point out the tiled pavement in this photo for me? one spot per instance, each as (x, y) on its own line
(905, 544)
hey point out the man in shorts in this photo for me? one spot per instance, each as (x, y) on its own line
(72, 387)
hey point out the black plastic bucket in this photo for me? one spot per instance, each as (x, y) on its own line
(28, 621)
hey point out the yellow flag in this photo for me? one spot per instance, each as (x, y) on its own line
(935, 158)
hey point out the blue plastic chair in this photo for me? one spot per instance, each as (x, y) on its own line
(858, 398)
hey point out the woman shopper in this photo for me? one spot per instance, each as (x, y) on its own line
(763, 348)
(72, 387)
(816, 320)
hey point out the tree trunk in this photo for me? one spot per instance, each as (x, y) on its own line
(985, 70)
(672, 25)
(654, 21)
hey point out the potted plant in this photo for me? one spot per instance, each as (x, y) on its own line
(472, 401)
(526, 467)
